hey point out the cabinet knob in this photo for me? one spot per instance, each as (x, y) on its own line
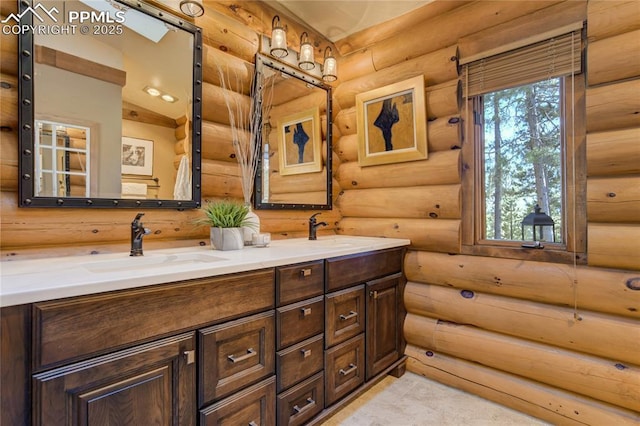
(306, 353)
(374, 294)
(253, 423)
(190, 356)
(305, 312)
(306, 272)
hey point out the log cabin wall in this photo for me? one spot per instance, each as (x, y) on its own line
(557, 341)
(543, 338)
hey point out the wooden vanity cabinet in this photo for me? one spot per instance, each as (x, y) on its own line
(363, 319)
(278, 346)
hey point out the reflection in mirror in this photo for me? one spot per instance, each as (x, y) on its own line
(110, 115)
(61, 160)
(295, 166)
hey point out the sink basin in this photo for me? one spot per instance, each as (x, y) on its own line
(150, 261)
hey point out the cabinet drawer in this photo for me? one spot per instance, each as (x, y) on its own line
(235, 354)
(344, 368)
(299, 321)
(345, 311)
(299, 362)
(356, 269)
(300, 403)
(72, 329)
(298, 282)
(255, 406)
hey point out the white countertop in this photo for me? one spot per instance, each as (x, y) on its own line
(36, 280)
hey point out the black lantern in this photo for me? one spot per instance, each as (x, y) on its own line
(538, 220)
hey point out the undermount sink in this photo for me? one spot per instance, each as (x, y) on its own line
(156, 260)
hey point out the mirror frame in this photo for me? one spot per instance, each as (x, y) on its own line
(26, 120)
(261, 61)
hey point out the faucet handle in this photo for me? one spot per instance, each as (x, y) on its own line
(312, 219)
(136, 221)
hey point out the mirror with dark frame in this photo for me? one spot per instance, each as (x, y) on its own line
(110, 106)
(294, 170)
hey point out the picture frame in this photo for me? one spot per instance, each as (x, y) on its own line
(392, 123)
(137, 156)
(300, 143)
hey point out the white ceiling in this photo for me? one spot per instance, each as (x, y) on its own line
(337, 19)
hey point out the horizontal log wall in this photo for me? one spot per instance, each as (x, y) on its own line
(230, 45)
(613, 124)
(557, 341)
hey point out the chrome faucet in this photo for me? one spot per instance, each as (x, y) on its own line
(137, 232)
(313, 226)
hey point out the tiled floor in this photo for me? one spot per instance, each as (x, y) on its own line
(413, 400)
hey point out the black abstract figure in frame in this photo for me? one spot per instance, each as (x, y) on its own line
(386, 119)
(300, 138)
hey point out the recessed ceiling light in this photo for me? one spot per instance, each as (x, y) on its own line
(152, 91)
(168, 98)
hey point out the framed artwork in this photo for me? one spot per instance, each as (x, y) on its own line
(300, 142)
(137, 156)
(392, 123)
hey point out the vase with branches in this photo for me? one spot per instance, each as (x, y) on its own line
(246, 122)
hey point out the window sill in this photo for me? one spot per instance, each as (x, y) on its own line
(547, 254)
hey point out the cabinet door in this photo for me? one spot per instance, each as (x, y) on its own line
(152, 383)
(299, 321)
(383, 327)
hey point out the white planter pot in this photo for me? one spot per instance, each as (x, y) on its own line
(227, 238)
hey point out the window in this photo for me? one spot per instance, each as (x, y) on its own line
(525, 152)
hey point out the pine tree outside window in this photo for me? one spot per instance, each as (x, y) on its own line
(525, 148)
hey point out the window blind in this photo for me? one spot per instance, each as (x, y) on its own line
(555, 57)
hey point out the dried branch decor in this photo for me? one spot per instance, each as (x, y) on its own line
(246, 121)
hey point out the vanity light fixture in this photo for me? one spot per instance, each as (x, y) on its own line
(276, 47)
(193, 8)
(278, 39)
(305, 58)
(330, 66)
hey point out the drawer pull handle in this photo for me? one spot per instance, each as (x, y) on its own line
(351, 369)
(298, 410)
(349, 316)
(190, 356)
(374, 294)
(252, 423)
(250, 353)
(306, 353)
(306, 272)
(305, 311)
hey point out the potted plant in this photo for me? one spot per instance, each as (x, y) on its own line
(226, 219)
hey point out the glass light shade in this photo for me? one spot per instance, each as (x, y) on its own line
(279, 42)
(306, 60)
(330, 69)
(192, 8)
